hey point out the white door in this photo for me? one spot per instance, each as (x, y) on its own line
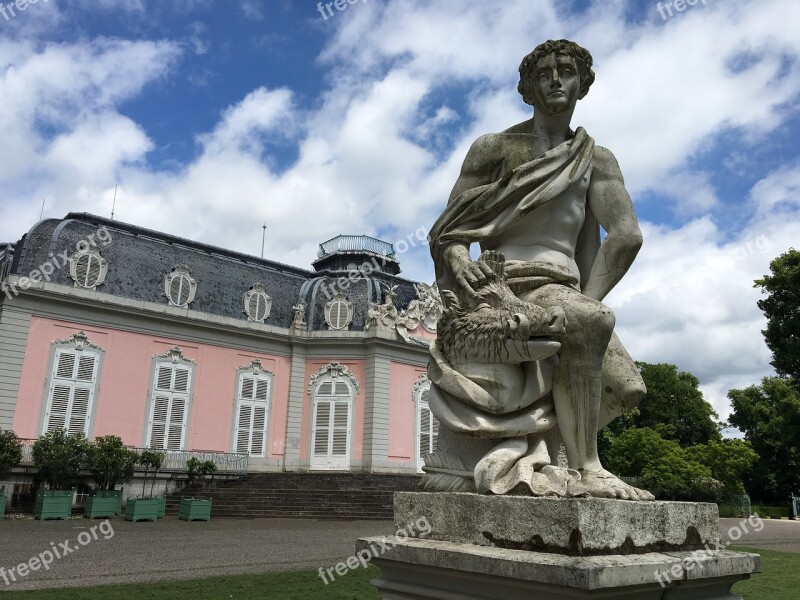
(330, 438)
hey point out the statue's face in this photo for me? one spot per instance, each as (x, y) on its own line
(557, 84)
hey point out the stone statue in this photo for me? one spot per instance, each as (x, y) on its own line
(299, 309)
(526, 357)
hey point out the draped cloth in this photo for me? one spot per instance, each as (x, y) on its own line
(458, 396)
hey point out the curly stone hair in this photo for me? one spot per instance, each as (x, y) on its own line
(527, 68)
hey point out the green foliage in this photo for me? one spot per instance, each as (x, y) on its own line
(769, 416)
(782, 309)
(197, 469)
(730, 462)
(60, 458)
(675, 407)
(151, 459)
(634, 449)
(673, 476)
(110, 462)
(10, 452)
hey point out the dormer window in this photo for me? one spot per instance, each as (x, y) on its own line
(88, 268)
(339, 312)
(257, 304)
(179, 286)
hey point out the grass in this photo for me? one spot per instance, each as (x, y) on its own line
(305, 585)
(779, 581)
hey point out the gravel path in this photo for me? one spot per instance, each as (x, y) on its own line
(172, 549)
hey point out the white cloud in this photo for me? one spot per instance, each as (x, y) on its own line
(381, 150)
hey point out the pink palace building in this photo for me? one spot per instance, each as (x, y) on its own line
(112, 329)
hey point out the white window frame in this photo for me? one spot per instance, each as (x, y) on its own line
(333, 373)
(92, 253)
(259, 374)
(80, 348)
(260, 290)
(175, 360)
(421, 386)
(339, 300)
(184, 272)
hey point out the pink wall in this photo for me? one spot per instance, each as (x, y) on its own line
(122, 400)
(402, 430)
(357, 443)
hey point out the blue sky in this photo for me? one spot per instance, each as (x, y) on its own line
(213, 116)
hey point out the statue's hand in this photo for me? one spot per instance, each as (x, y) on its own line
(474, 275)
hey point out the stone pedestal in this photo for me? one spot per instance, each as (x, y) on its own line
(475, 547)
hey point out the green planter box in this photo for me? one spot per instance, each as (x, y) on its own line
(53, 504)
(2, 506)
(162, 506)
(100, 507)
(115, 494)
(141, 509)
(195, 509)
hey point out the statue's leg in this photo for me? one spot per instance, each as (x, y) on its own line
(578, 380)
(623, 387)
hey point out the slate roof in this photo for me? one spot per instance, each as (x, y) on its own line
(139, 258)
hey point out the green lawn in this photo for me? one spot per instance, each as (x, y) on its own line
(780, 581)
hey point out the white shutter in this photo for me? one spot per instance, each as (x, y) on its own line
(322, 420)
(170, 406)
(252, 414)
(341, 422)
(72, 388)
(427, 428)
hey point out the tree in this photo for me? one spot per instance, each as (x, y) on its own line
(730, 462)
(674, 476)
(151, 459)
(110, 462)
(197, 469)
(635, 448)
(782, 309)
(769, 416)
(60, 458)
(10, 452)
(673, 406)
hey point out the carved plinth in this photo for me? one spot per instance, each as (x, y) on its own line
(574, 526)
(482, 547)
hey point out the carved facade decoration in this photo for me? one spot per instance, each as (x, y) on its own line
(79, 340)
(256, 368)
(299, 319)
(179, 286)
(339, 312)
(424, 310)
(335, 370)
(420, 385)
(175, 356)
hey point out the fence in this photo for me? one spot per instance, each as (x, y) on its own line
(736, 506)
(174, 460)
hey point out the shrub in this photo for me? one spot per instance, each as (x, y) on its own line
(10, 452)
(151, 459)
(197, 469)
(60, 458)
(110, 462)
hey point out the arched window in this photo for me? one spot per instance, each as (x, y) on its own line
(427, 425)
(333, 389)
(339, 312)
(73, 385)
(253, 398)
(179, 286)
(88, 268)
(257, 305)
(170, 400)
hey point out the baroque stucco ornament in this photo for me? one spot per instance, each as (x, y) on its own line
(424, 310)
(256, 368)
(335, 370)
(175, 356)
(79, 340)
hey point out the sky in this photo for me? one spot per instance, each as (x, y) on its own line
(213, 117)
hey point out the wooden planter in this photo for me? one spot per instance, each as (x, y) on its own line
(162, 506)
(141, 509)
(100, 507)
(115, 494)
(2, 506)
(53, 504)
(195, 509)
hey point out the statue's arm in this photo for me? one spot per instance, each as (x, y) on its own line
(613, 208)
(481, 167)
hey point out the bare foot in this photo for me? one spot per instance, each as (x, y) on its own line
(602, 484)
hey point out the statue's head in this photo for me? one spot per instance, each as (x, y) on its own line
(563, 55)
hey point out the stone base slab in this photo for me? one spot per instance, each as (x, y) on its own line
(430, 569)
(571, 526)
